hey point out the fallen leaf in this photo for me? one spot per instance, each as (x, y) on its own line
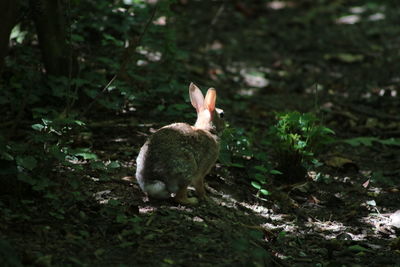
(340, 162)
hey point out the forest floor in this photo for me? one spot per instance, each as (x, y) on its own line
(343, 214)
(344, 219)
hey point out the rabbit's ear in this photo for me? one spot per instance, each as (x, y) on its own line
(211, 98)
(196, 97)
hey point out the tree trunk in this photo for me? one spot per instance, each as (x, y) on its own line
(51, 28)
(8, 15)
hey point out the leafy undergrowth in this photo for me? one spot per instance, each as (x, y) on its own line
(340, 216)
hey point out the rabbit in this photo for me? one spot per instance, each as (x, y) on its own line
(179, 155)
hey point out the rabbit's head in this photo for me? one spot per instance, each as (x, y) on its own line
(209, 117)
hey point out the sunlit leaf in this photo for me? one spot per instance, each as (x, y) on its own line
(275, 172)
(371, 203)
(114, 164)
(264, 192)
(85, 153)
(256, 185)
(81, 123)
(38, 127)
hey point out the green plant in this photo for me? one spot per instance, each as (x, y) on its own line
(235, 147)
(296, 139)
(237, 151)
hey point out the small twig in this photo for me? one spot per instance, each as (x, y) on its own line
(127, 58)
(213, 22)
(219, 12)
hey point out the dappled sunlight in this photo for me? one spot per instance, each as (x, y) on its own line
(277, 5)
(328, 228)
(147, 210)
(350, 19)
(357, 15)
(103, 197)
(254, 79)
(161, 21)
(152, 56)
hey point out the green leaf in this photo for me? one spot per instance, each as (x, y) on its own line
(256, 185)
(18, 34)
(264, 192)
(326, 130)
(121, 218)
(38, 127)
(260, 178)
(77, 38)
(367, 141)
(169, 261)
(98, 165)
(85, 153)
(114, 202)
(225, 157)
(57, 153)
(391, 141)
(282, 235)
(237, 165)
(275, 172)
(80, 123)
(261, 168)
(6, 156)
(27, 162)
(114, 165)
(358, 248)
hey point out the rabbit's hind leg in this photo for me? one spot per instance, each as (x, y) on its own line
(181, 197)
(198, 184)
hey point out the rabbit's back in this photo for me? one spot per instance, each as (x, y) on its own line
(175, 154)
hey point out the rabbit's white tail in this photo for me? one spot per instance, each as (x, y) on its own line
(156, 189)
